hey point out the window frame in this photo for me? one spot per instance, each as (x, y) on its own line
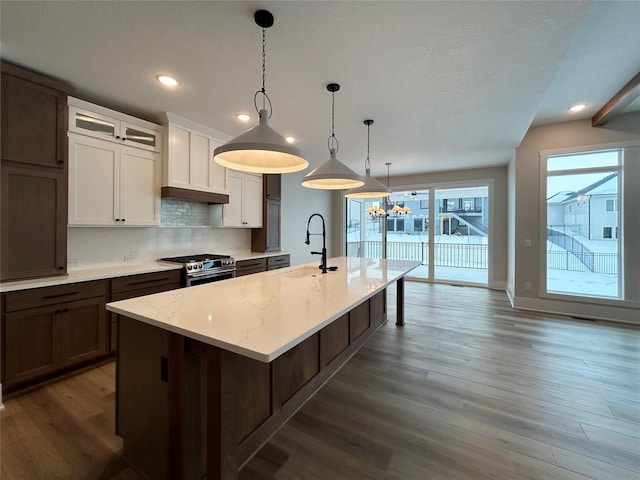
(544, 174)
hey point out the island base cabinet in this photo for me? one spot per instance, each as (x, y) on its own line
(188, 410)
(142, 396)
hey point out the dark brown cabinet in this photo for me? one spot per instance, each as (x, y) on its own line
(34, 118)
(267, 238)
(50, 329)
(34, 220)
(278, 261)
(250, 266)
(33, 175)
(131, 286)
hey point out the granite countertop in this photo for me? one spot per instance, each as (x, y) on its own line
(104, 271)
(263, 315)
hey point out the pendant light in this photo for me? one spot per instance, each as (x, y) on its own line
(261, 149)
(332, 174)
(372, 188)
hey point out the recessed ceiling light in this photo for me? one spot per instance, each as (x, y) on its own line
(167, 81)
(243, 117)
(290, 139)
(578, 107)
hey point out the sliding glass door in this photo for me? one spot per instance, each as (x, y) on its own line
(455, 221)
(397, 228)
(461, 234)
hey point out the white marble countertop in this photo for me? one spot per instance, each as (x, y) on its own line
(87, 273)
(263, 315)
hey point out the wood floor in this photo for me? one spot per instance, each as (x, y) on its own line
(468, 389)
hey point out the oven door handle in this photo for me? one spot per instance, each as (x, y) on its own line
(209, 273)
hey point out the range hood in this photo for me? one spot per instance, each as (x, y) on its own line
(194, 195)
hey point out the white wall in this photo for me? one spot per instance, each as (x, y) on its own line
(527, 216)
(297, 205)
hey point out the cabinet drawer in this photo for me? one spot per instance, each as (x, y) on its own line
(247, 267)
(38, 297)
(279, 261)
(145, 281)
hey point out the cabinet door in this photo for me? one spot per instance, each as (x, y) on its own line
(252, 201)
(83, 334)
(32, 340)
(140, 137)
(199, 165)
(139, 187)
(33, 242)
(217, 173)
(272, 226)
(232, 212)
(94, 173)
(178, 169)
(34, 122)
(94, 124)
(272, 186)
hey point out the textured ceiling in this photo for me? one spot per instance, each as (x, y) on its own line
(450, 85)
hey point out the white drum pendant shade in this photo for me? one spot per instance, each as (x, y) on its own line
(372, 188)
(261, 150)
(332, 175)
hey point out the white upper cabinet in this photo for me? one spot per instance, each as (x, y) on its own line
(114, 168)
(188, 159)
(244, 209)
(95, 121)
(111, 184)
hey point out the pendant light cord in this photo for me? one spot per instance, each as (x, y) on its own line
(264, 61)
(263, 90)
(333, 129)
(367, 163)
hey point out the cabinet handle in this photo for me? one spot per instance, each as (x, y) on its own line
(124, 139)
(65, 310)
(68, 294)
(60, 268)
(117, 219)
(60, 162)
(117, 137)
(149, 281)
(164, 369)
(124, 219)
(57, 312)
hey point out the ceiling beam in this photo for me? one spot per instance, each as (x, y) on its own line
(620, 100)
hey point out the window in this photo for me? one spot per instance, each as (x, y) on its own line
(610, 205)
(581, 259)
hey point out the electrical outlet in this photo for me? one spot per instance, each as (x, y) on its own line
(527, 242)
(130, 258)
(527, 285)
(73, 262)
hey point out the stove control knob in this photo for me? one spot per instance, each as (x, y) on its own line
(189, 267)
(199, 265)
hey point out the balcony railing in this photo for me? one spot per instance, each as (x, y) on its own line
(606, 263)
(446, 254)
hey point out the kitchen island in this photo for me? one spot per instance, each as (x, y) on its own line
(206, 374)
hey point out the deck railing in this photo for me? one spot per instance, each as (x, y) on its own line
(446, 254)
(605, 263)
(476, 256)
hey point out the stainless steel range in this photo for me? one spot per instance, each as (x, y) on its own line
(204, 268)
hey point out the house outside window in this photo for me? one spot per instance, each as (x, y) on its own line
(583, 256)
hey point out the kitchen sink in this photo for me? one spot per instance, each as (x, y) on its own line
(299, 272)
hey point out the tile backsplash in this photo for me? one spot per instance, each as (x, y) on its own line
(182, 213)
(99, 245)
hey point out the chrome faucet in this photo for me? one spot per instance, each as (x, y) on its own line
(323, 261)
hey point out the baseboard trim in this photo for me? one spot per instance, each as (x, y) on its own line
(589, 311)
